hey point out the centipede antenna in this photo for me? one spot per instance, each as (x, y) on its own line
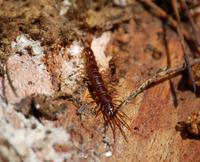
(121, 119)
(118, 123)
(113, 128)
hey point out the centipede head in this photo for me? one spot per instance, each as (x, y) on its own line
(116, 120)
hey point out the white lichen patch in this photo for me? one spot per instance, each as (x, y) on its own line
(75, 49)
(121, 3)
(23, 42)
(27, 70)
(98, 46)
(66, 4)
(72, 69)
(108, 153)
(33, 141)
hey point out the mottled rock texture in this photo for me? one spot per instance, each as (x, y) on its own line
(52, 115)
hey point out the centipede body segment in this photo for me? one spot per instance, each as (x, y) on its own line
(112, 116)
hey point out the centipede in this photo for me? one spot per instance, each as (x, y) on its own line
(113, 117)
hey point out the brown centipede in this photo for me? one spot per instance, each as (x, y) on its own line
(111, 114)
